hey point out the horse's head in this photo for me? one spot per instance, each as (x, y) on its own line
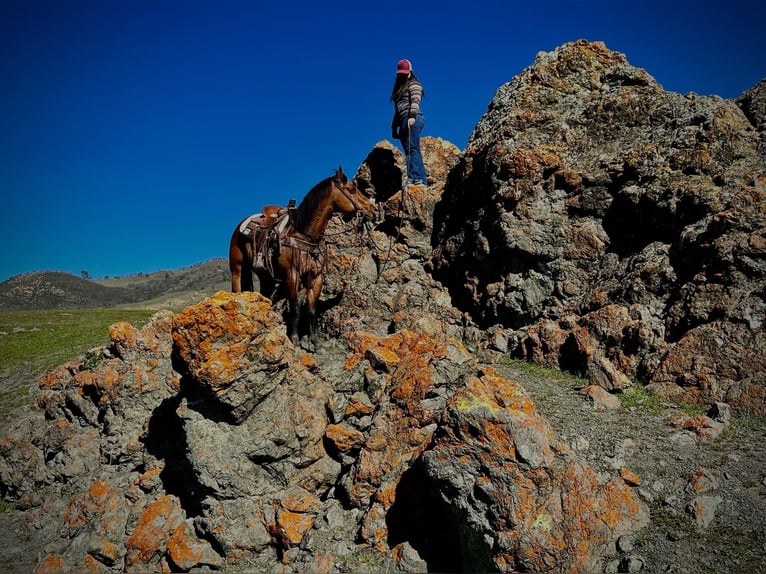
(349, 199)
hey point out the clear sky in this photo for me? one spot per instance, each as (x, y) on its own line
(135, 134)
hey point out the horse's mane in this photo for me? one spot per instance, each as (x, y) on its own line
(311, 202)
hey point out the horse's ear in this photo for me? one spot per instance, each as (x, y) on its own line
(339, 174)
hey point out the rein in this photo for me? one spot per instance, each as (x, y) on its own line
(399, 210)
(357, 217)
(395, 239)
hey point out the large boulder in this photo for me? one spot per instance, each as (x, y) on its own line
(586, 186)
(520, 504)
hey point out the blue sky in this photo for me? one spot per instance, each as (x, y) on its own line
(135, 134)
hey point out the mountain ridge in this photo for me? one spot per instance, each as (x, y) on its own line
(44, 290)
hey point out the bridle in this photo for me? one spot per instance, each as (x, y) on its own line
(348, 196)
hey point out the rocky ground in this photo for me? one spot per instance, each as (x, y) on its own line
(707, 496)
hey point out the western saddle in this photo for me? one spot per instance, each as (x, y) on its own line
(265, 229)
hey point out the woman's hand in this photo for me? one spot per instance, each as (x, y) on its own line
(410, 122)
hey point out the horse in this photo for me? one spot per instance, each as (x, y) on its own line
(299, 259)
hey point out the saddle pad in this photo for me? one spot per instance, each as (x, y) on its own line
(246, 222)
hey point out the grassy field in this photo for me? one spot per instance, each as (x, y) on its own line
(33, 342)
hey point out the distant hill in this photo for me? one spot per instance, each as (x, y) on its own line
(167, 288)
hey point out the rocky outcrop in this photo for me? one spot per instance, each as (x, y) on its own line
(595, 222)
(614, 229)
(206, 439)
(377, 280)
(521, 507)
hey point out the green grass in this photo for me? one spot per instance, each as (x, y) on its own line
(637, 396)
(549, 372)
(33, 342)
(40, 340)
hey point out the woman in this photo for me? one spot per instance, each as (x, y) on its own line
(408, 120)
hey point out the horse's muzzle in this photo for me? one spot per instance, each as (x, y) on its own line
(359, 216)
(368, 216)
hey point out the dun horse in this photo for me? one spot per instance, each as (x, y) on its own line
(300, 257)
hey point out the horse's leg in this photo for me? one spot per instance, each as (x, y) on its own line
(246, 248)
(236, 280)
(292, 283)
(266, 284)
(247, 275)
(235, 262)
(312, 297)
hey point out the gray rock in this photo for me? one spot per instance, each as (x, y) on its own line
(626, 543)
(586, 187)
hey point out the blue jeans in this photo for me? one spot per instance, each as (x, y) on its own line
(410, 138)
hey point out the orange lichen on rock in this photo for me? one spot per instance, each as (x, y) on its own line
(123, 336)
(356, 408)
(546, 514)
(58, 378)
(53, 564)
(149, 479)
(309, 362)
(630, 477)
(294, 525)
(100, 498)
(186, 551)
(294, 516)
(494, 393)
(321, 563)
(148, 542)
(528, 163)
(359, 342)
(222, 336)
(344, 437)
(374, 530)
(103, 383)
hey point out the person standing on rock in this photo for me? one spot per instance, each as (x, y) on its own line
(408, 120)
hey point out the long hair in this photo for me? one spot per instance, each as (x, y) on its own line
(400, 85)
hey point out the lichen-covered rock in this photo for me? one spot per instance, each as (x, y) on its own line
(140, 467)
(147, 545)
(528, 507)
(233, 346)
(718, 361)
(419, 373)
(380, 273)
(587, 187)
(753, 104)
